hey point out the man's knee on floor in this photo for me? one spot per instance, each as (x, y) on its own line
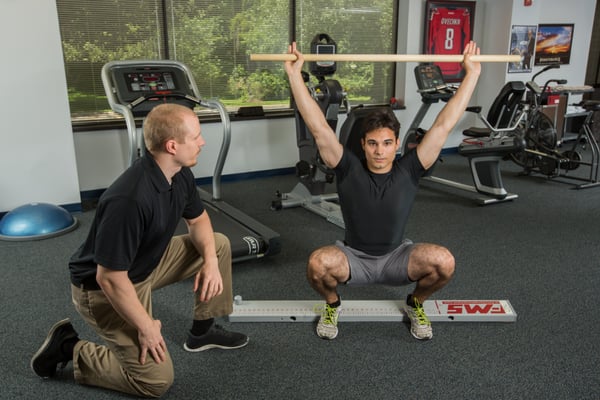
(157, 381)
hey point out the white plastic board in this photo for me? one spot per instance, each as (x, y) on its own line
(372, 310)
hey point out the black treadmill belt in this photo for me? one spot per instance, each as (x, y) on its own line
(249, 238)
(244, 242)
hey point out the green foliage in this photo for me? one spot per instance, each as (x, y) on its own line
(266, 85)
(81, 102)
(258, 86)
(215, 40)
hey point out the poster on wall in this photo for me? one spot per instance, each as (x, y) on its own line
(522, 43)
(448, 29)
(553, 44)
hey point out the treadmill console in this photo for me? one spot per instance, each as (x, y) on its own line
(430, 83)
(155, 83)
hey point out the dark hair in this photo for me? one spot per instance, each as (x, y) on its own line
(381, 118)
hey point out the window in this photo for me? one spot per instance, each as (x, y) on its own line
(357, 27)
(215, 40)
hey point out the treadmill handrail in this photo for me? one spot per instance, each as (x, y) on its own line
(121, 109)
(136, 142)
(225, 143)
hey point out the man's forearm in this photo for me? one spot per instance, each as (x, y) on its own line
(202, 236)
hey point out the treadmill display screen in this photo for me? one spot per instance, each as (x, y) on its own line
(132, 82)
(149, 81)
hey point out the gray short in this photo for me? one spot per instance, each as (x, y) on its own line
(389, 269)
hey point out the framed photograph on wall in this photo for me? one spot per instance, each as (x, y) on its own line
(448, 29)
(522, 42)
(553, 44)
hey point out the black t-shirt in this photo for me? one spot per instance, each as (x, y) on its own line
(135, 220)
(376, 207)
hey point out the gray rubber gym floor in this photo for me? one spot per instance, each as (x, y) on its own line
(539, 251)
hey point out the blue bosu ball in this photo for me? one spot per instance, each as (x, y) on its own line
(36, 221)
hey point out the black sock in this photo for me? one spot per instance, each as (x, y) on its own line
(410, 301)
(336, 303)
(201, 326)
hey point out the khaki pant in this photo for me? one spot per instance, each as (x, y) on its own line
(116, 365)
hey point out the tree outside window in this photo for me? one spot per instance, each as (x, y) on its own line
(215, 39)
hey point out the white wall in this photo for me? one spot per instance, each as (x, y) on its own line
(493, 23)
(37, 157)
(256, 145)
(37, 160)
(493, 36)
(581, 13)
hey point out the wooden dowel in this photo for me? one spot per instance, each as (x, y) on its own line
(387, 57)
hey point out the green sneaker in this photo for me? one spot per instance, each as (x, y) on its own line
(327, 326)
(420, 326)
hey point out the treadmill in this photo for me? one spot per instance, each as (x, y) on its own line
(133, 88)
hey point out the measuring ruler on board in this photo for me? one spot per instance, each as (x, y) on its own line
(372, 310)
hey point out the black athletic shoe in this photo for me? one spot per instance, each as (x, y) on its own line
(215, 338)
(50, 354)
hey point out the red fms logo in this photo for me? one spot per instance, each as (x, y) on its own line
(474, 307)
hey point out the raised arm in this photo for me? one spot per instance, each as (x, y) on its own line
(430, 147)
(330, 148)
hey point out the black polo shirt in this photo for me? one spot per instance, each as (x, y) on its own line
(376, 207)
(135, 220)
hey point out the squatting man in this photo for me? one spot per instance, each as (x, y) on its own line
(376, 194)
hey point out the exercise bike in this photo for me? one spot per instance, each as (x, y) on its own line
(484, 148)
(313, 175)
(542, 153)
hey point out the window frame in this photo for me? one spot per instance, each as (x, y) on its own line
(112, 120)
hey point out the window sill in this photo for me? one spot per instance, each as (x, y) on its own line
(115, 121)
